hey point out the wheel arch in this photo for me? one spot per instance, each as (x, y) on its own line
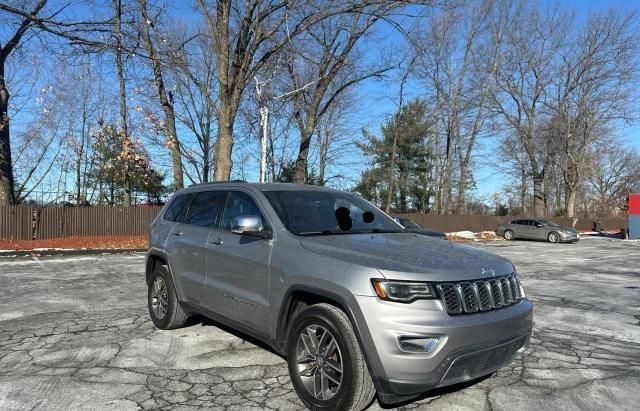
(299, 297)
(154, 258)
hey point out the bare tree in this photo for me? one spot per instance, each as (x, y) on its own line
(7, 196)
(239, 32)
(523, 84)
(194, 76)
(612, 172)
(458, 57)
(246, 36)
(597, 90)
(164, 96)
(119, 52)
(323, 67)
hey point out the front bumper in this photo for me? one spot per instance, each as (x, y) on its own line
(569, 237)
(470, 345)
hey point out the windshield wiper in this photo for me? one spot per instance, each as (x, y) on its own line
(325, 232)
(379, 230)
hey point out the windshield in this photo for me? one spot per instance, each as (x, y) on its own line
(548, 223)
(328, 212)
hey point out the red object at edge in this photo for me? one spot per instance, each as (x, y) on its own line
(634, 204)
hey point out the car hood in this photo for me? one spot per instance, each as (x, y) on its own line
(407, 256)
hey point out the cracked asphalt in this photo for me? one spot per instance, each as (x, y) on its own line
(75, 334)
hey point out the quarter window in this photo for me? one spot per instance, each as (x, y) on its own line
(206, 208)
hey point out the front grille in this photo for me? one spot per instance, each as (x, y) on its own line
(471, 366)
(480, 295)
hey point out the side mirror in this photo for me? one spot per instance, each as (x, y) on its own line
(250, 225)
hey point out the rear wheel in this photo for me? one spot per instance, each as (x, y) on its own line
(508, 235)
(326, 364)
(553, 237)
(164, 308)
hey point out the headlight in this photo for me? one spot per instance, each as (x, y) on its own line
(403, 291)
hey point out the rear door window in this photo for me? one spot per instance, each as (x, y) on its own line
(206, 208)
(178, 208)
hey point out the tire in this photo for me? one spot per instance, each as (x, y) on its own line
(553, 237)
(164, 308)
(315, 371)
(508, 235)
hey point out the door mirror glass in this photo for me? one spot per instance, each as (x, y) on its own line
(250, 225)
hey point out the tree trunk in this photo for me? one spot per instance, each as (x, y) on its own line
(324, 152)
(446, 183)
(6, 169)
(462, 188)
(126, 177)
(303, 153)
(224, 146)
(523, 190)
(538, 195)
(206, 160)
(392, 173)
(571, 203)
(80, 153)
(166, 100)
(172, 137)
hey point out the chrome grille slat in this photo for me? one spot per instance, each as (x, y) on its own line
(506, 290)
(515, 290)
(496, 290)
(484, 295)
(467, 297)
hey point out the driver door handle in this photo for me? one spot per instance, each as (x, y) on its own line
(216, 241)
(176, 232)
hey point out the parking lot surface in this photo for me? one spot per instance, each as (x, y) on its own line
(75, 333)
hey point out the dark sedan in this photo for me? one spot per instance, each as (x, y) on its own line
(416, 228)
(537, 229)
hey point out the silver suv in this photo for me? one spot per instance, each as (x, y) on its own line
(357, 304)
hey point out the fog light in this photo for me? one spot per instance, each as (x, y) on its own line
(418, 344)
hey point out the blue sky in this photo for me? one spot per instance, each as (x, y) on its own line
(381, 99)
(377, 100)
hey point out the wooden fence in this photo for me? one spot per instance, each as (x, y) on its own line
(27, 223)
(16, 223)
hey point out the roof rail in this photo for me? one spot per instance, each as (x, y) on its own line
(218, 182)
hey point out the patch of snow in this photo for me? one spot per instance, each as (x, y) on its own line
(467, 235)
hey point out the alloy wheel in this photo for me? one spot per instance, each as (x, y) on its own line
(159, 298)
(319, 362)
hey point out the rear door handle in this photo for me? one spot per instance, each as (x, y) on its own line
(216, 241)
(176, 232)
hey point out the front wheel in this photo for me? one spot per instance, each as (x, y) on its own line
(326, 365)
(553, 237)
(508, 235)
(164, 307)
